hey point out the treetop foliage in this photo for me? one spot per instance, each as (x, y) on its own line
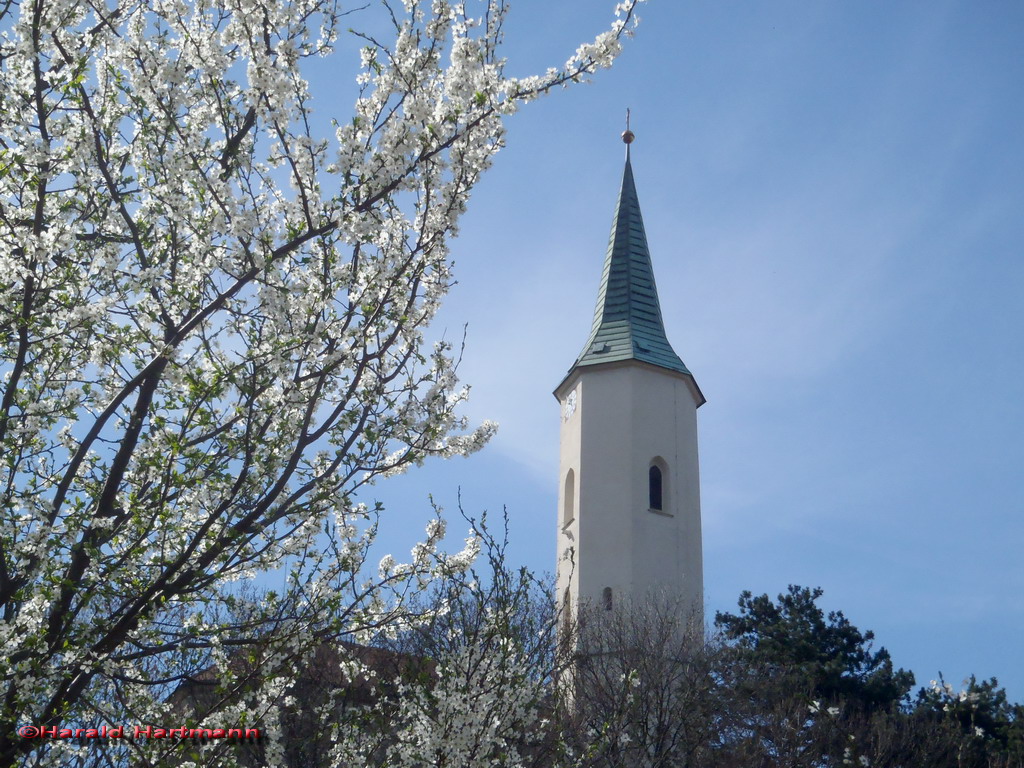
(796, 634)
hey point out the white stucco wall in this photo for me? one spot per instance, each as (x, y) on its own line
(628, 414)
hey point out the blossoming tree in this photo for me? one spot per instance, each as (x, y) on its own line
(212, 332)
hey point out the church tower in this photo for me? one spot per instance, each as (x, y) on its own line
(629, 497)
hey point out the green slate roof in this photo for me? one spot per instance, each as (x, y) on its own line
(627, 320)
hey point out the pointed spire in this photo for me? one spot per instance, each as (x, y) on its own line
(627, 319)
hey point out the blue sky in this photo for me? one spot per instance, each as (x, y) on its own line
(833, 196)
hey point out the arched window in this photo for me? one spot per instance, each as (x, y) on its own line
(569, 499)
(655, 487)
(659, 488)
(606, 598)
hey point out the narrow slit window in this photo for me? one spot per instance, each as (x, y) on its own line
(654, 487)
(569, 499)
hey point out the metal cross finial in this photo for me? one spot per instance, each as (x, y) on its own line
(627, 135)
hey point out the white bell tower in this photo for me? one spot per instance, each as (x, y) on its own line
(629, 491)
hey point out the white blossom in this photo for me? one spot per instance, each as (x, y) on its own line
(214, 336)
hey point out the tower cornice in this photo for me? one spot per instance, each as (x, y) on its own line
(576, 372)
